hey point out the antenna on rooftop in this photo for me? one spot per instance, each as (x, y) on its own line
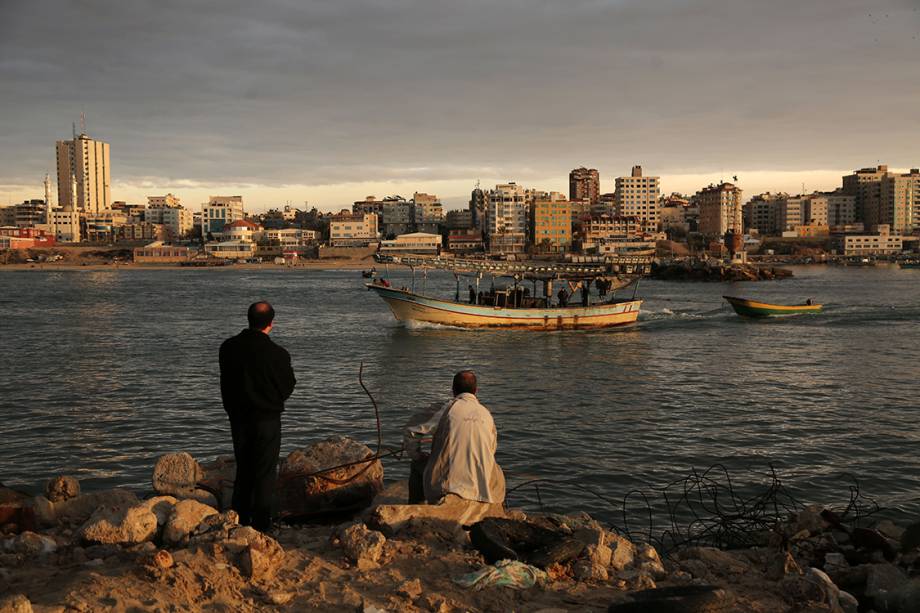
(82, 122)
(74, 126)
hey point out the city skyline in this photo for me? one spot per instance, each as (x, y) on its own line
(330, 104)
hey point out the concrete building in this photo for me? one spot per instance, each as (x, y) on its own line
(584, 184)
(102, 227)
(550, 222)
(413, 242)
(160, 253)
(477, 207)
(84, 174)
(370, 204)
(884, 197)
(167, 201)
(231, 250)
(882, 243)
(427, 213)
(350, 230)
(461, 219)
(178, 221)
(399, 218)
(760, 213)
(465, 241)
(506, 219)
(26, 214)
(242, 230)
(637, 196)
(290, 238)
(66, 226)
(218, 212)
(141, 230)
(720, 210)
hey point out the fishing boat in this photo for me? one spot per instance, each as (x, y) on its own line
(513, 306)
(909, 264)
(752, 308)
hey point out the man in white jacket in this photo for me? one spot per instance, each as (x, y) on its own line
(462, 461)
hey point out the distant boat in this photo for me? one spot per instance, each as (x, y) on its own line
(914, 264)
(752, 308)
(369, 274)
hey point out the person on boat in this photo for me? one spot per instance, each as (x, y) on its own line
(563, 297)
(255, 379)
(462, 462)
(585, 292)
(808, 302)
(472, 294)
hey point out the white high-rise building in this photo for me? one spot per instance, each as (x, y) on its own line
(84, 174)
(637, 196)
(506, 222)
(218, 212)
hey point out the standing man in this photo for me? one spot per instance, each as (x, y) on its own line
(255, 379)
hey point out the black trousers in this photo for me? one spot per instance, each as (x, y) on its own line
(256, 445)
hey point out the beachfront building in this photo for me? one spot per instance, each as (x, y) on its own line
(231, 250)
(460, 219)
(462, 242)
(884, 197)
(506, 219)
(218, 212)
(84, 174)
(242, 230)
(161, 253)
(584, 185)
(102, 226)
(353, 230)
(413, 242)
(290, 238)
(550, 222)
(720, 209)
(65, 225)
(637, 196)
(882, 243)
(397, 216)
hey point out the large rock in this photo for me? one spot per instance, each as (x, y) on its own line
(303, 493)
(623, 551)
(16, 603)
(362, 546)
(62, 488)
(117, 526)
(176, 474)
(594, 563)
(78, 510)
(45, 514)
(185, 517)
(882, 578)
(649, 562)
(718, 561)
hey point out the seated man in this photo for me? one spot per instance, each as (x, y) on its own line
(462, 461)
(460, 479)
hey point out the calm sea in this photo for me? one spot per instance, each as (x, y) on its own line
(102, 371)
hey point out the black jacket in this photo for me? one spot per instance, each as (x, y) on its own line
(255, 375)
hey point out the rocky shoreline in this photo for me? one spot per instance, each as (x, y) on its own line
(179, 549)
(698, 270)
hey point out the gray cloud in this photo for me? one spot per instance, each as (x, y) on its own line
(332, 91)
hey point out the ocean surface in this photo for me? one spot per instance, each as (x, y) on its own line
(103, 371)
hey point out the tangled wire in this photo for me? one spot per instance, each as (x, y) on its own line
(707, 508)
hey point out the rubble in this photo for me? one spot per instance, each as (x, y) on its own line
(119, 526)
(362, 546)
(62, 488)
(176, 474)
(184, 518)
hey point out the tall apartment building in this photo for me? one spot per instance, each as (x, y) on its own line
(506, 222)
(637, 196)
(218, 212)
(584, 184)
(884, 197)
(397, 216)
(760, 213)
(370, 204)
(477, 206)
(83, 174)
(720, 209)
(550, 221)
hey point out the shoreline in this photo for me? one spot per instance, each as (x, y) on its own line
(323, 265)
(180, 547)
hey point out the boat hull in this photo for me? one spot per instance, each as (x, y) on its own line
(752, 308)
(407, 306)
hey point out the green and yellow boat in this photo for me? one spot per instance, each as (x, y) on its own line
(752, 308)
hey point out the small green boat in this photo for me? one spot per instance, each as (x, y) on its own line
(752, 308)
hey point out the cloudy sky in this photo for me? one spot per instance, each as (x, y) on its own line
(329, 101)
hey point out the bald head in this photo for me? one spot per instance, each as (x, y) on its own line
(465, 382)
(260, 316)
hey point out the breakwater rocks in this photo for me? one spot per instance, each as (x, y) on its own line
(695, 270)
(110, 550)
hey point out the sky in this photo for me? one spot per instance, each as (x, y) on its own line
(328, 101)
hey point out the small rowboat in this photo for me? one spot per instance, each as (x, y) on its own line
(752, 308)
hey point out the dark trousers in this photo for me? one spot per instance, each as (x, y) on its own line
(256, 445)
(417, 480)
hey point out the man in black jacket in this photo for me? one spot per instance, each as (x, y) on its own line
(255, 379)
